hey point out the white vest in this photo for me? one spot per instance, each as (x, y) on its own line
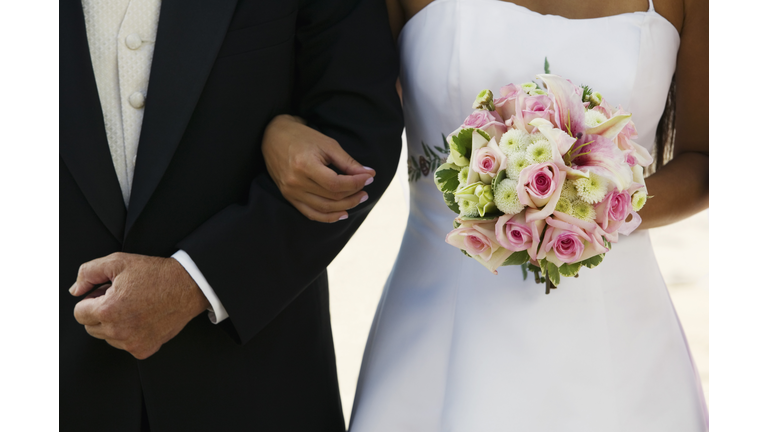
(121, 39)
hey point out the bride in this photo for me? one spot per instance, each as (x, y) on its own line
(455, 348)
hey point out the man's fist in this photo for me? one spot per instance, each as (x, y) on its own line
(140, 303)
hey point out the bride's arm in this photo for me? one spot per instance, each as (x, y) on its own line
(298, 158)
(681, 187)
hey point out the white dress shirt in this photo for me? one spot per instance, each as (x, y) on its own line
(121, 39)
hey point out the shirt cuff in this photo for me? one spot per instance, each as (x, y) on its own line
(216, 313)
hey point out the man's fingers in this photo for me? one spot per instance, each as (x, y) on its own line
(97, 272)
(344, 162)
(86, 311)
(96, 331)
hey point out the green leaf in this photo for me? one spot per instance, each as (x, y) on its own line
(546, 66)
(456, 224)
(517, 258)
(483, 218)
(450, 201)
(593, 262)
(483, 134)
(499, 177)
(465, 253)
(446, 148)
(462, 142)
(525, 271)
(569, 270)
(607, 243)
(543, 266)
(553, 273)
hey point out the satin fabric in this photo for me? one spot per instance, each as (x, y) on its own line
(455, 348)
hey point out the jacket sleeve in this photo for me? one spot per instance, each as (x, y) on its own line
(261, 255)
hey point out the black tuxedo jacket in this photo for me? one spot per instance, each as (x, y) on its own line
(221, 70)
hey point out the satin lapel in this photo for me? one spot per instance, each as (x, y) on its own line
(82, 138)
(189, 36)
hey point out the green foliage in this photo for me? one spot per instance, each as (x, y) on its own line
(553, 273)
(482, 218)
(450, 201)
(462, 142)
(517, 258)
(569, 270)
(447, 177)
(593, 262)
(546, 66)
(524, 267)
(502, 174)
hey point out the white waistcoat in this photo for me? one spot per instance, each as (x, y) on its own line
(121, 39)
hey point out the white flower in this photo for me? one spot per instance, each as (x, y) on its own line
(538, 136)
(592, 189)
(594, 118)
(468, 208)
(539, 151)
(513, 141)
(564, 205)
(583, 210)
(528, 87)
(638, 199)
(515, 163)
(535, 92)
(505, 197)
(569, 190)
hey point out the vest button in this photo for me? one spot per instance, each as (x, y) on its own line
(136, 100)
(133, 41)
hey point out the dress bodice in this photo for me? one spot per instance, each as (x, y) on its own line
(452, 49)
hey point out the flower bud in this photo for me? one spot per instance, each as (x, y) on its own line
(484, 100)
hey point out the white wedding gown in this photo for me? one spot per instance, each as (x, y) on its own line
(455, 348)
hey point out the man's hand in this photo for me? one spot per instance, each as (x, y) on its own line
(141, 302)
(297, 159)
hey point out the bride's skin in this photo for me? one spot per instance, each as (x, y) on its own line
(297, 156)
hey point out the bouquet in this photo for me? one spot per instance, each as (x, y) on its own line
(546, 178)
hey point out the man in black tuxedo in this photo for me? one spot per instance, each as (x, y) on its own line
(222, 69)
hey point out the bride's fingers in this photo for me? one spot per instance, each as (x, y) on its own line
(336, 186)
(325, 206)
(315, 215)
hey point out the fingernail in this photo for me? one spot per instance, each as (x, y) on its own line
(368, 168)
(343, 217)
(369, 181)
(364, 198)
(72, 289)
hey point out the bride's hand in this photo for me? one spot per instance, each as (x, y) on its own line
(298, 159)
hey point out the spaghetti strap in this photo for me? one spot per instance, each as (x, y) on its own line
(650, 6)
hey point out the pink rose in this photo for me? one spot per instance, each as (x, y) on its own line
(480, 118)
(505, 105)
(539, 186)
(533, 107)
(570, 240)
(478, 239)
(485, 161)
(515, 234)
(614, 209)
(488, 121)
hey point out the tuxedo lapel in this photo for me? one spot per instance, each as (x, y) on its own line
(82, 137)
(189, 36)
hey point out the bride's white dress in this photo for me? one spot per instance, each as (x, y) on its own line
(455, 348)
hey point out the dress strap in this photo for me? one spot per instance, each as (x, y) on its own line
(650, 6)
